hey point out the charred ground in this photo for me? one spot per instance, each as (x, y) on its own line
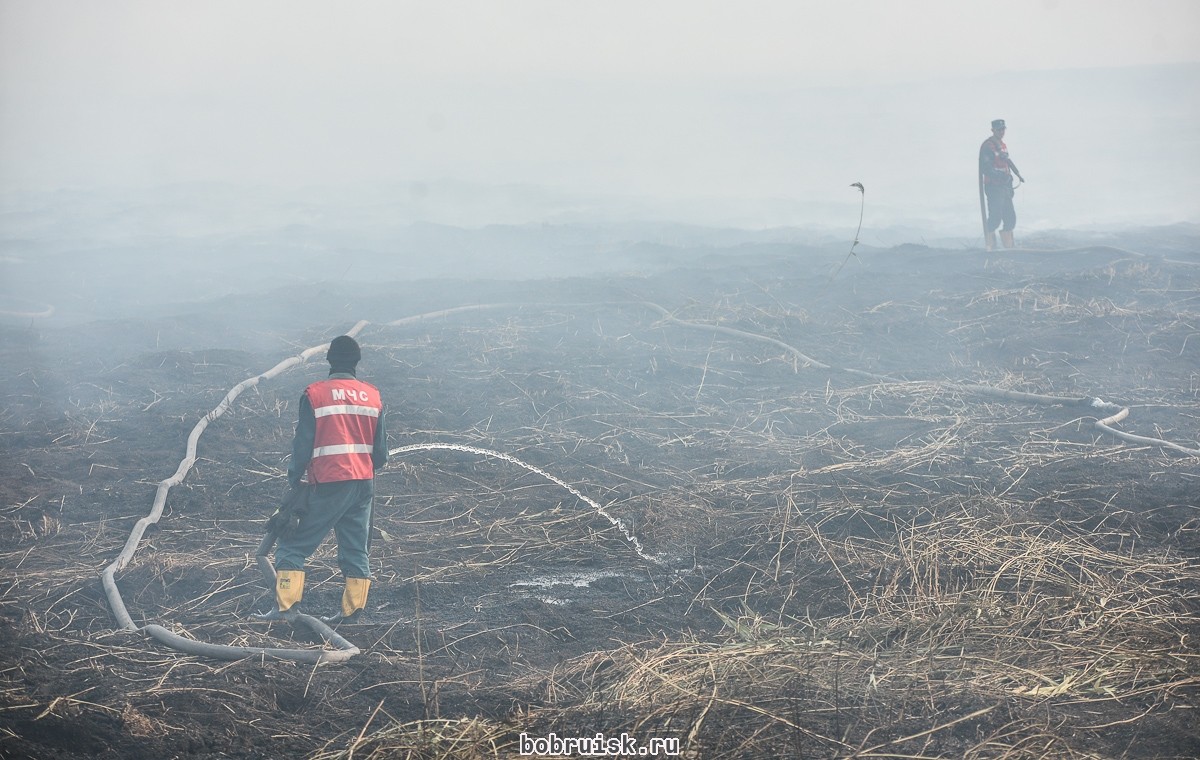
(846, 566)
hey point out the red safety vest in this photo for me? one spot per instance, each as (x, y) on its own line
(347, 412)
(999, 163)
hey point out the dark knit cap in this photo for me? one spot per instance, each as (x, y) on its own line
(343, 352)
(998, 124)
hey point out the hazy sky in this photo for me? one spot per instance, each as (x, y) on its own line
(640, 97)
(155, 46)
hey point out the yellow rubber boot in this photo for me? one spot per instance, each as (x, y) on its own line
(289, 588)
(354, 597)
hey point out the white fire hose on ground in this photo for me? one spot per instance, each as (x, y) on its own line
(342, 649)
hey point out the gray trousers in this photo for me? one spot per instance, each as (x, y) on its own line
(344, 507)
(1000, 207)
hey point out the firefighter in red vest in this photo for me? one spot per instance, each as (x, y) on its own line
(996, 172)
(340, 442)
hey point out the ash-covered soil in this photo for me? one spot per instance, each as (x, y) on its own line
(835, 564)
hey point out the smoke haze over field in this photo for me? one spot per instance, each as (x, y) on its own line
(725, 114)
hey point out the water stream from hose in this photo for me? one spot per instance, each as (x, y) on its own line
(617, 522)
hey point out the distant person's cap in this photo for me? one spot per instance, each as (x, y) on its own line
(998, 124)
(343, 351)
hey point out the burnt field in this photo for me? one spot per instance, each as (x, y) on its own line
(846, 532)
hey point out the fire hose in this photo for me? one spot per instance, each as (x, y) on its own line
(341, 649)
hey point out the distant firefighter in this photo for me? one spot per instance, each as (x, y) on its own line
(996, 172)
(340, 442)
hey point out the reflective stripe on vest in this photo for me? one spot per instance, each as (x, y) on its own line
(347, 414)
(368, 411)
(343, 448)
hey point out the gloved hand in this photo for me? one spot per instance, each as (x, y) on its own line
(284, 523)
(286, 520)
